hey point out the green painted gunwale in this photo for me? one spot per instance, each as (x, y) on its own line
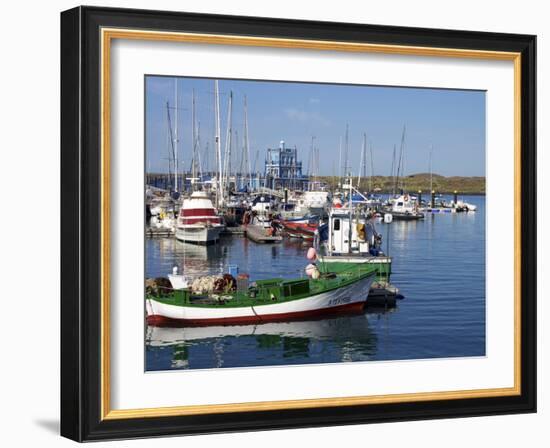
(383, 269)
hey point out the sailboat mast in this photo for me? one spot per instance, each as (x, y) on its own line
(340, 160)
(317, 165)
(236, 157)
(311, 165)
(219, 192)
(393, 174)
(371, 168)
(401, 165)
(176, 137)
(228, 143)
(431, 172)
(247, 143)
(346, 151)
(193, 140)
(363, 161)
(170, 139)
(198, 152)
(350, 206)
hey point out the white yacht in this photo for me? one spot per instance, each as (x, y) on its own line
(198, 220)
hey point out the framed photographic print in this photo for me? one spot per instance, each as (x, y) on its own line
(273, 223)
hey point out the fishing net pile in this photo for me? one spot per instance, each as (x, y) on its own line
(214, 283)
(207, 284)
(157, 286)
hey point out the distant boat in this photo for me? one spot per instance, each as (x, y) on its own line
(258, 221)
(262, 232)
(299, 229)
(198, 220)
(291, 211)
(163, 221)
(270, 300)
(263, 205)
(463, 206)
(304, 219)
(404, 208)
(315, 201)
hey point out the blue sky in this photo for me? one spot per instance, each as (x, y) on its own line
(453, 121)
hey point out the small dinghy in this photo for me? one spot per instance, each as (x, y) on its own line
(305, 231)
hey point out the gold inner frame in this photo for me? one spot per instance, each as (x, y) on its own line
(107, 35)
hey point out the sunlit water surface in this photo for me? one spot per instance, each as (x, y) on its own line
(438, 265)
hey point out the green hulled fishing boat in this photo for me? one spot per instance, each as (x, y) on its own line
(233, 302)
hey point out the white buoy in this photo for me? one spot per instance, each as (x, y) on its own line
(388, 218)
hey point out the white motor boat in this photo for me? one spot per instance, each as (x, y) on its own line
(198, 220)
(404, 208)
(316, 202)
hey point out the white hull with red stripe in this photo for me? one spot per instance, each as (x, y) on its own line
(198, 220)
(347, 298)
(199, 234)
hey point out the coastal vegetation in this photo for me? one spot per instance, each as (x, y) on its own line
(415, 182)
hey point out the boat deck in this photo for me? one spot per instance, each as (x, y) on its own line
(269, 291)
(154, 232)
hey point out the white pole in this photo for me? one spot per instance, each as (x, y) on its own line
(431, 175)
(193, 139)
(227, 155)
(346, 151)
(219, 192)
(371, 168)
(340, 161)
(176, 138)
(363, 154)
(350, 231)
(246, 136)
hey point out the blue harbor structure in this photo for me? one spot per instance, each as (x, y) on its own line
(283, 169)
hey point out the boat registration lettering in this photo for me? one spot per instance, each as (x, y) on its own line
(339, 301)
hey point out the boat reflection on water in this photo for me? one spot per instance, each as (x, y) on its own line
(193, 259)
(339, 339)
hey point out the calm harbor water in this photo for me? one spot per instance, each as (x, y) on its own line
(438, 265)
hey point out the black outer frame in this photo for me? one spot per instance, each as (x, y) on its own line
(81, 220)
